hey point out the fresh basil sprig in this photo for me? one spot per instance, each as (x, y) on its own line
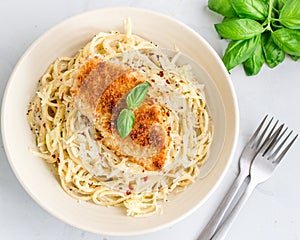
(126, 117)
(260, 31)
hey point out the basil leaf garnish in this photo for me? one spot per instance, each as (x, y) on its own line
(239, 29)
(222, 7)
(126, 117)
(273, 54)
(238, 51)
(288, 40)
(125, 122)
(253, 64)
(289, 15)
(137, 95)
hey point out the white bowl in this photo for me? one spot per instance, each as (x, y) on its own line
(64, 40)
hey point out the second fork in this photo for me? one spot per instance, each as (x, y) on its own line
(267, 159)
(253, 147)
(249, 152)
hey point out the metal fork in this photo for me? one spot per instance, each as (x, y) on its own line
(261, 148)
(248, 153)
(263, 165)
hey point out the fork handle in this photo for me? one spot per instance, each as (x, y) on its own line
(222, 232)
(218, 216)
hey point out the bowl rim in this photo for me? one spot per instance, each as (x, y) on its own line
(32, 46)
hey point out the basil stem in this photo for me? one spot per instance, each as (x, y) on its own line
(278, 4)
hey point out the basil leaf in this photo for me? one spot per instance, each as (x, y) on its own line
(225, 19)
(253, 9)
(239, 29)
(253, 64)
(295, 58)
(287, 40)
(278, 4)
(125, 122)
(222, 7)
(137, 95)
(289, 15)
(238, 51)
(273, 54)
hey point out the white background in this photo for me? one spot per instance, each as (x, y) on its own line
(272, 212)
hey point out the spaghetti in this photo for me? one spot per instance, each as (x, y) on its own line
(89, 166)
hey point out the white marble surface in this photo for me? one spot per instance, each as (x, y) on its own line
(272, 212)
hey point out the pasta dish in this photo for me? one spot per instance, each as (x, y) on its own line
(121, 122)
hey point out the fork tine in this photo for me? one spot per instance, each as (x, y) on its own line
(272, 130)
(263, 133)
(276, 140)
(280, 146)
(270, 141)
(270, 134)
(283, 133)
(254, 136)
(279, 158)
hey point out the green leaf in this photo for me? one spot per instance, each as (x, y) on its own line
(289, 15)
(278, 4)
(287, 40)
(253, 64)
(125, 122)
(295, 58)
(222, 7)
(238, 51)
(273, 54)
(253, 9)
(239, 29)
(137, 95)
(225, 19)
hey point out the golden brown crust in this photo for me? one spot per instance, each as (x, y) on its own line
(93, 79)
(143, 132)
(101, 89)
(86, 68)
(117, 89)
